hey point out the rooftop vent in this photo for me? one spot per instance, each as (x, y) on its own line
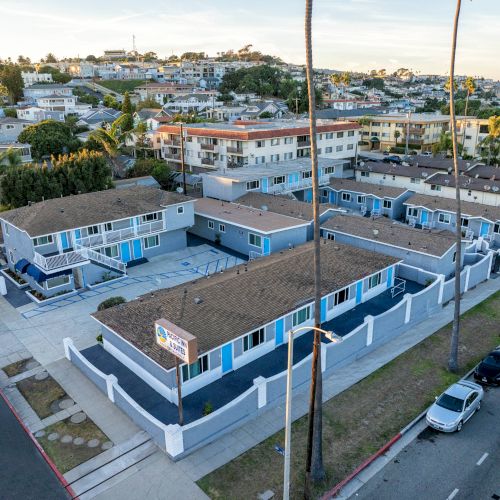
(198, 300)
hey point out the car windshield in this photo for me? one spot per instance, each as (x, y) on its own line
(450, 403)
(492, 360)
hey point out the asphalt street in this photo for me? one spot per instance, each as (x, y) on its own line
(24, 474)
(438, 466)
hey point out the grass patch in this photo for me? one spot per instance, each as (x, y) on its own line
(121, 86)
(40, 394)
(67, 456)
(363, 418)
(16, 368)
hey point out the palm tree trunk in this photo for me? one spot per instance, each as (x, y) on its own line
(453, 360)
(314, 459)
(465, 119)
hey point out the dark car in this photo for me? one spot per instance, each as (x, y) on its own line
(392, 159)
(488, 371)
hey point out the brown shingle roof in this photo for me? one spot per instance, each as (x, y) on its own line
(392, 169)
(378, 190)
(448, 204)
(393, 233)
(466, 182)
(283, 205)
(240, 301)
(61, 214)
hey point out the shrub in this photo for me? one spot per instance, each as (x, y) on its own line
(99, 338)
(208, 408)
(111, 302)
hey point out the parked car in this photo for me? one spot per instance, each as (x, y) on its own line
(386, 153)
(392, 159)
(455, 406)
(488, 371)
(426, 153)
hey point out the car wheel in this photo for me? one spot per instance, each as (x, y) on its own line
(459, 426)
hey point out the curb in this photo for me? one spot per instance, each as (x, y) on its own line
(336, 489)
(51, 464)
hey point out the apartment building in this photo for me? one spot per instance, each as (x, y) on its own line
(41, 90)
(62, 244)
(209, 146)
(381, 132)
(163, 92)
(31, 78)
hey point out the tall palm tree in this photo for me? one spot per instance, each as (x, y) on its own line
(455, 331)
(314, 460)
(469, 85)
(11, 158)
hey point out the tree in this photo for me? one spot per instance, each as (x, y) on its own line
(374, 83)
(50, 58)
(455, 330)
(148, 103)
(397, 134)
(10, 112)
(314, 459)
(57, 76)
(445, 145)
(10, 78)
(23, 60)
(128, 121)
(492, 141)
(91, 58)
(156, 168)
(49, 138)
(447, 85)
(110, 102)
(11, 158)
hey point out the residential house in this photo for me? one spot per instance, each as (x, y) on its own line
(24, 150)
(192, 103)
(31, 78)
(10, 128)
(66, 104)
(278, 294)
(152, 118)
(98, 117)
(40, 90)
(163, 92)
(36, 114)
(269, 109)
(66, 243)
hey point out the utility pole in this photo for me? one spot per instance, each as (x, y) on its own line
(183, 165)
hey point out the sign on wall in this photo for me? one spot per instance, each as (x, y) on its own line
(177, 341)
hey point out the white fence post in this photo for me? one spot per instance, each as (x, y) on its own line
(323, 356)
(174, 440)
(408, 297)
(369, 333)
(67, 342)
(490, 264)
(261, 384)
(441, 288)
(111, 380)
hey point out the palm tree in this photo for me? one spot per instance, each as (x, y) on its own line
(397, 134)
(469, 85)
(11, 158)
(492, 140)
(455, 331)
(314, 459)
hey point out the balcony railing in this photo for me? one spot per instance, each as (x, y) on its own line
(171, 156)
(208, 147)
(172, 143)
(301, 184)
(58, 261)
(303, 144)
(110, 237)
(238, 151)
(207, 161)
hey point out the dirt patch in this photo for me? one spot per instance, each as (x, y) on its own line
(64, 452)
(40, 394)
(20, 367)
(363, 418)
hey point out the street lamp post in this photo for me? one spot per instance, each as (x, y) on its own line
(288, 412)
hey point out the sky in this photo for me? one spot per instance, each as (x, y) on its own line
(353, 35)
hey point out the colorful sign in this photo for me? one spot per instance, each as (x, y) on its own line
(177, 341)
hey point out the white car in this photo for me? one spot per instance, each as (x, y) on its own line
(455, 406)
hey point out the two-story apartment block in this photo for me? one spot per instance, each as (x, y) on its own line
(192, 103)
(278, 294)
(478, 220)
(31, 78)
(422, 129)
(242, 143)
(66, 243)
(66, 104)
(163, 92)
(10, 128)
(285, 177)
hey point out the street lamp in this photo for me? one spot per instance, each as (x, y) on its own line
(288, 414)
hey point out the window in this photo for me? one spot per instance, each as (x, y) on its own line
(435, 187)
(496, 228)
(329, 170)
(340, 135)
(288, 140)
(301, 316)
(222, 228)
(260, 160)
(253, 340)
(350, 133)
(413, 212)
(255, 240)
(361, 200)
(307, 174)
(339, 148)
(275, 142)
(346, 196)
(108, 226)
(319, 151)
(275, 157)
(150, 217)
(195, 369)
(288, 156)
(414, 180)
(57, 281)
(43, 240)
(387, 204)
(111, 251)
(253, 185)
(180, 210)
(444, 218)
(341, 296)
(454, 256)
(328, 150)
(152, 241)
(365, 174)
(280, 179)
(260, 144)
(350, 146)
(465, 222)
(211, 224)
(92, 230)
(330, 236)
(329, 135)
(374, 280)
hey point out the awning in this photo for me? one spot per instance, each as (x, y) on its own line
(40, 276)
(375, 139)
(21, 265)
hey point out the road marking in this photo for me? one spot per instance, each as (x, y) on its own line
(453, 494)
(482, 459)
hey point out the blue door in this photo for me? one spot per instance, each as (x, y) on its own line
(323, 310)
(389, 277)
(332, 197)
(485, 229)
(359, 291)
(227, 357)
(308, 195)
(64, 241)
(267, 246)
(125, 251)
(264, 184)
(137, 249)
(423, 216)
(376, 204)
(280, 329)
